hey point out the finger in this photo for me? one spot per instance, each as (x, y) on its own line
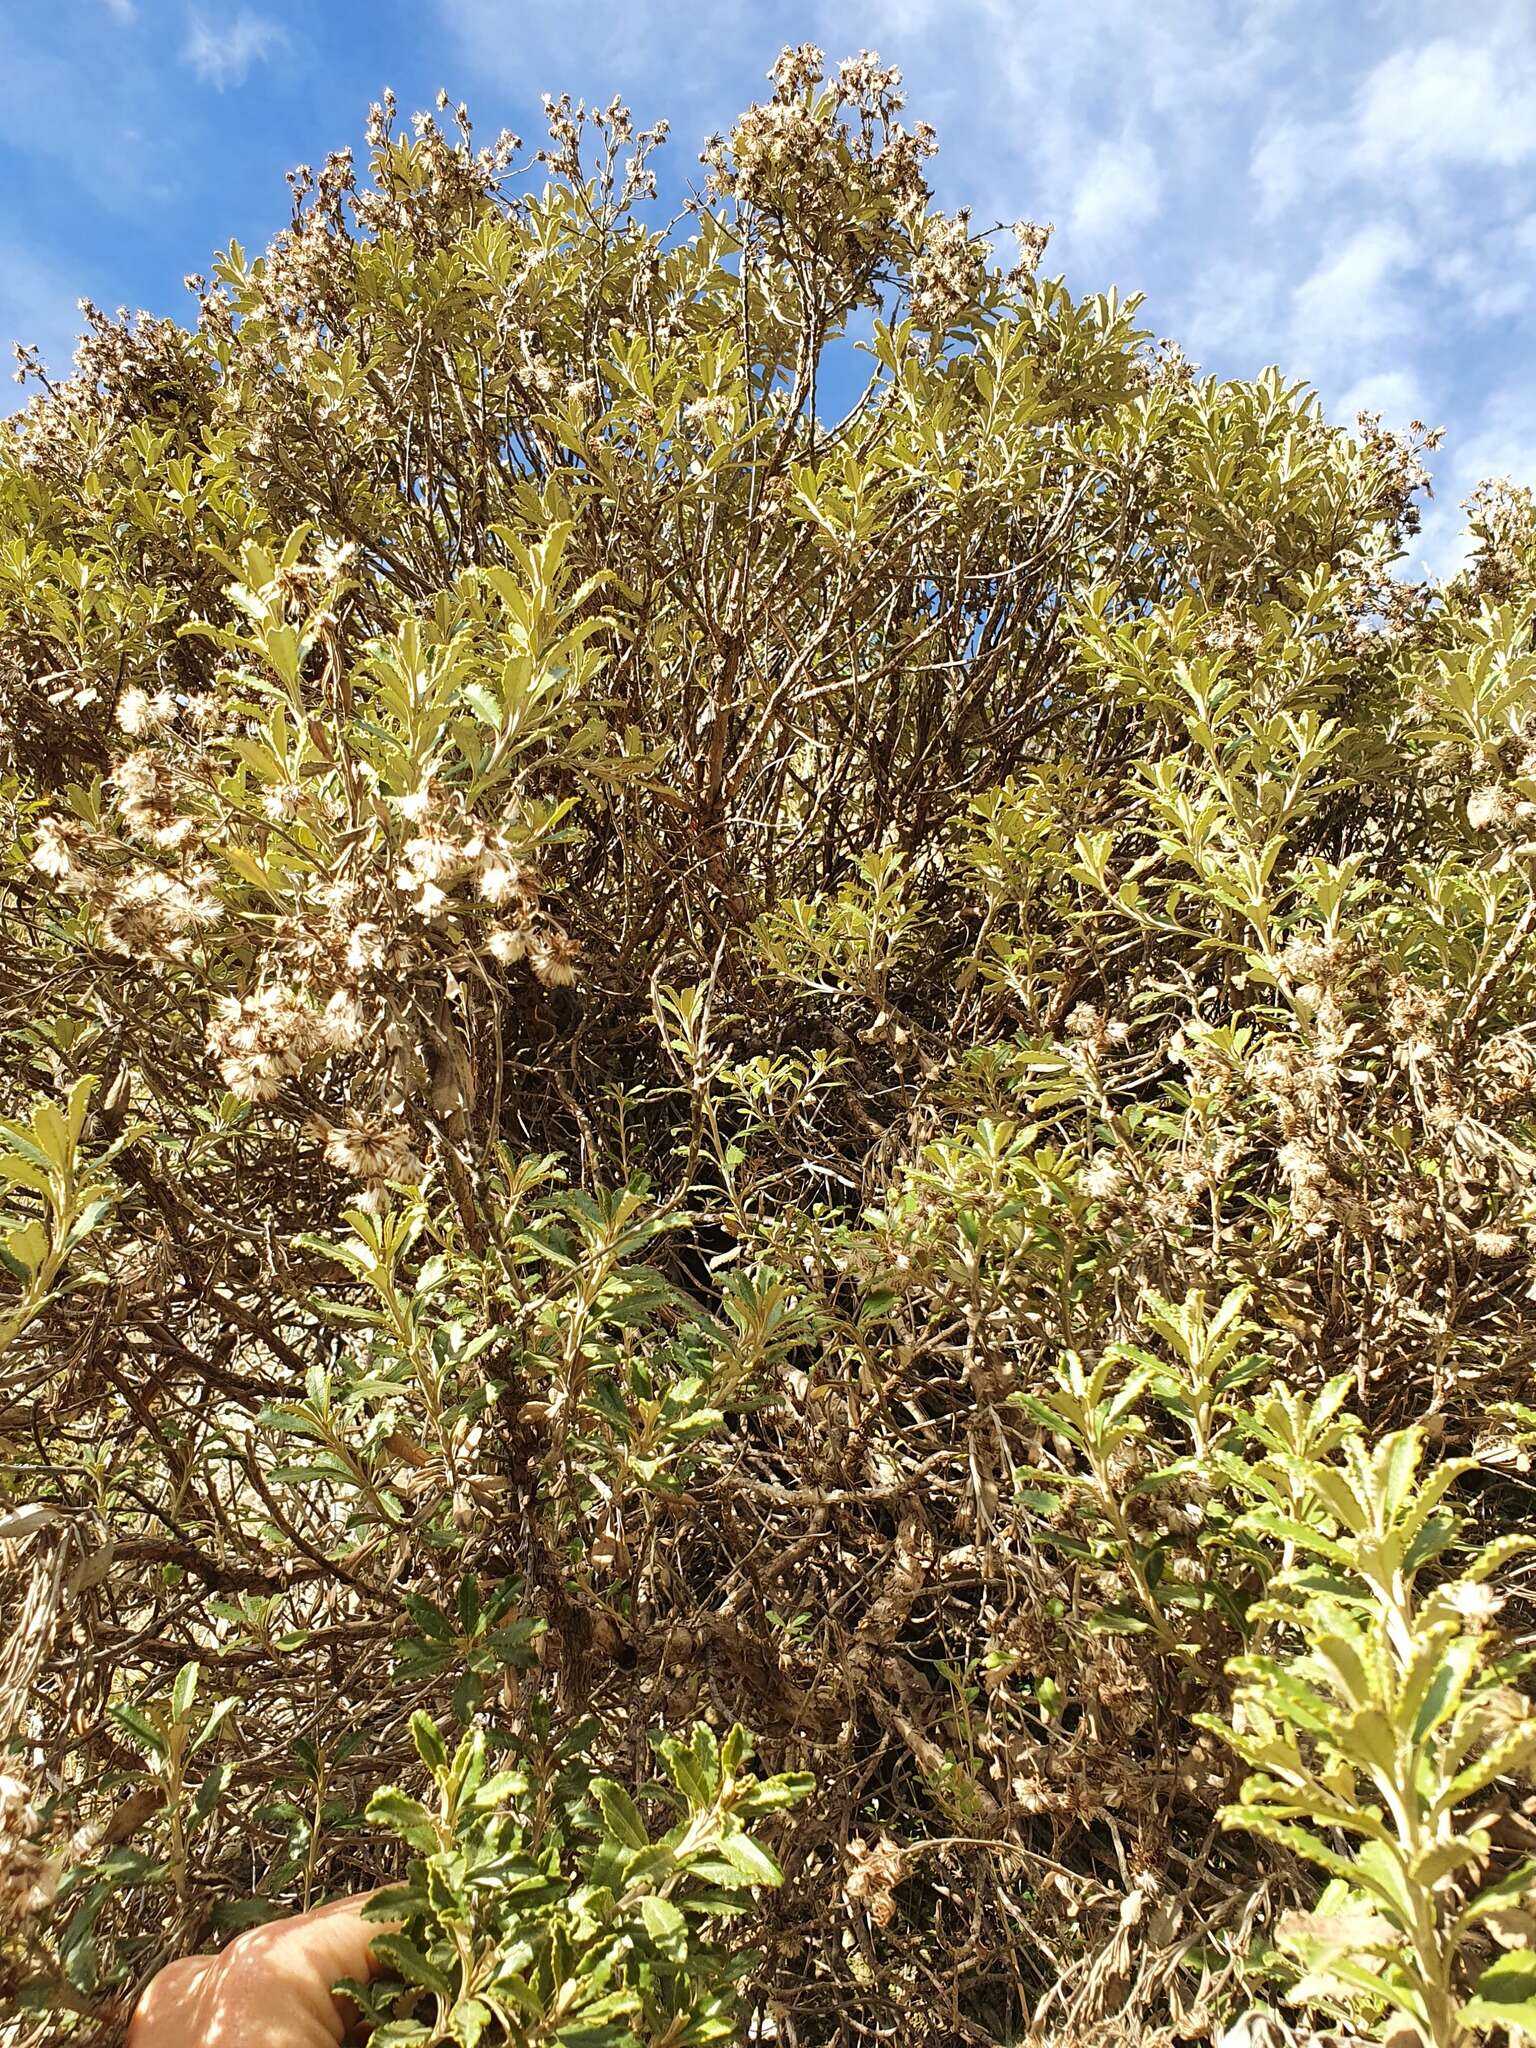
(294, 1963)
(336, 1938)
(170, 1994)
(271, 1985)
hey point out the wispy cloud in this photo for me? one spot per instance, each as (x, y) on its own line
(1396, 394)
(1492, 274)
(1419, 116)
(1449, 101)
(1120, 192)
(122, 10)
(223, 52)
(1352, 298)
(1230, 313)
(1293, 159)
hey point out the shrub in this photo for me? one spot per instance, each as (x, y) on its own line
(755, 980)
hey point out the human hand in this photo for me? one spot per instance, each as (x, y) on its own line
(271, 1988)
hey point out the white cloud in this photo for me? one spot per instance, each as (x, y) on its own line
(1293, 159)
(1419, 115)
(223, 52)
(1231, 310)
(1395, 394)
(1451, 101)
(1182, 58)
(593, 49)
(1490, 276)
(900, 19)
(1352, 299)
(122, 10)
(1120, 191)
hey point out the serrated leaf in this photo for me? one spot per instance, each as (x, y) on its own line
(748, 1855)
(771, 1795)
(666, 1927)
(141, 1728)
(407, 1960)
(620, 1814)
(430, 1746)
(391, 1808)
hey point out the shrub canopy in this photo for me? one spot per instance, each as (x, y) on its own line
(752, 976)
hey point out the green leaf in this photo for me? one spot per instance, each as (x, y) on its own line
(496, 1790)
(1505, 1753)
(210, 1791)
(666, 1927)
(184, 1691)
(684, 1771)
(468, 2022)
(430, 1746)
(141, 1728)
(485, 705)
(770, 1795)
(91, 1215)
(749, 1856)
(1505, 1993)
(391, 1808)
(620, 1814)
(212, 1725)
(407, 1960)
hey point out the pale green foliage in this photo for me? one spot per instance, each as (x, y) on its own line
(676, 1057)
(171, 1731)
(45, 1158)
(1388, 1721)
(538, 1900)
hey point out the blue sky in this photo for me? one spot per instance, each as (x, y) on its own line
(1347, 187)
